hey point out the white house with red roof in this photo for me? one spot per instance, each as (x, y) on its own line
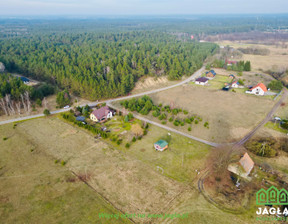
(259, 89)
(235, 84)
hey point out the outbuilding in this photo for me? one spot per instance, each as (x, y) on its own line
(161, 145)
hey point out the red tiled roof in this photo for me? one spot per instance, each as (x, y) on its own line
(247, 163)
(261, 85)
(100, 113)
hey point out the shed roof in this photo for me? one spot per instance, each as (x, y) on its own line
(161, 143)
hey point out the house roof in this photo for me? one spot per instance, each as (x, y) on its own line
(261, 85)
(202, 79)
(100, 113)
(161, 143)
(24, 79)
(247, 163)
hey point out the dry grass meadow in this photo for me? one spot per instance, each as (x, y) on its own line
(230, 115)
(35, 187)
(278, 56)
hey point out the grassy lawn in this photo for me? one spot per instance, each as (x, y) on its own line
(275, 127)
(33, 189)
(136, 180)
(219, 81)
(229, 114)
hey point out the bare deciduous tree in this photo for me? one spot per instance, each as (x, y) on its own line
(3, 106)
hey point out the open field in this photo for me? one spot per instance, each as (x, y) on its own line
(134, 180)
(230, 115)
(33, 189)
(278, 56)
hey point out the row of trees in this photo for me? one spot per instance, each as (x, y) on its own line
(240, 66)
(102, 65)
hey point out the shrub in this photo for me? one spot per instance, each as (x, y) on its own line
(182, 123)
(196, 122)
(206, 124)
(156, 113)
(56, 161)
(119, 141)
(134, 139)
(127, 145)
(145, 132)
(63, 163)
(163, 122)
(46, 112)
(5, 138)
(171, 119)
(189, 129)
(185, 111)
(262, 147)
(176, 123)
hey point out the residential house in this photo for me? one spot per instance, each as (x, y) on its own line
(201, 81)
(259, 89)
(102, 114)
(211, 74)
(161, 145)
(242, 168)
(235, 84)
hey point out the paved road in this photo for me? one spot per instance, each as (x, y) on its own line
(267, 118)
(192, 77)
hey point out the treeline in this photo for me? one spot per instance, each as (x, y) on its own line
(255, 51)
(94, 65)
(240, 66)
(15, 95)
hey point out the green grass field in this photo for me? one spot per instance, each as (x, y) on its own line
(35, 189)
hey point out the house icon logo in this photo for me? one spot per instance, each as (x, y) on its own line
(272, 196)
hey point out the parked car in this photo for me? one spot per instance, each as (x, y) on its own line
(66, 107)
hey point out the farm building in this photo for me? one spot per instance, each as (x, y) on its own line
(161, 145)
(211, 74)
(80, 118)
(235, 84)
(259, 89)
(102, 114)
(242, 168)
(25, 80)
(201, 81)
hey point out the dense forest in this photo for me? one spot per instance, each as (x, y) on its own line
(102, 65)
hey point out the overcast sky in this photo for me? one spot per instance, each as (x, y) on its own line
(140, 7)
